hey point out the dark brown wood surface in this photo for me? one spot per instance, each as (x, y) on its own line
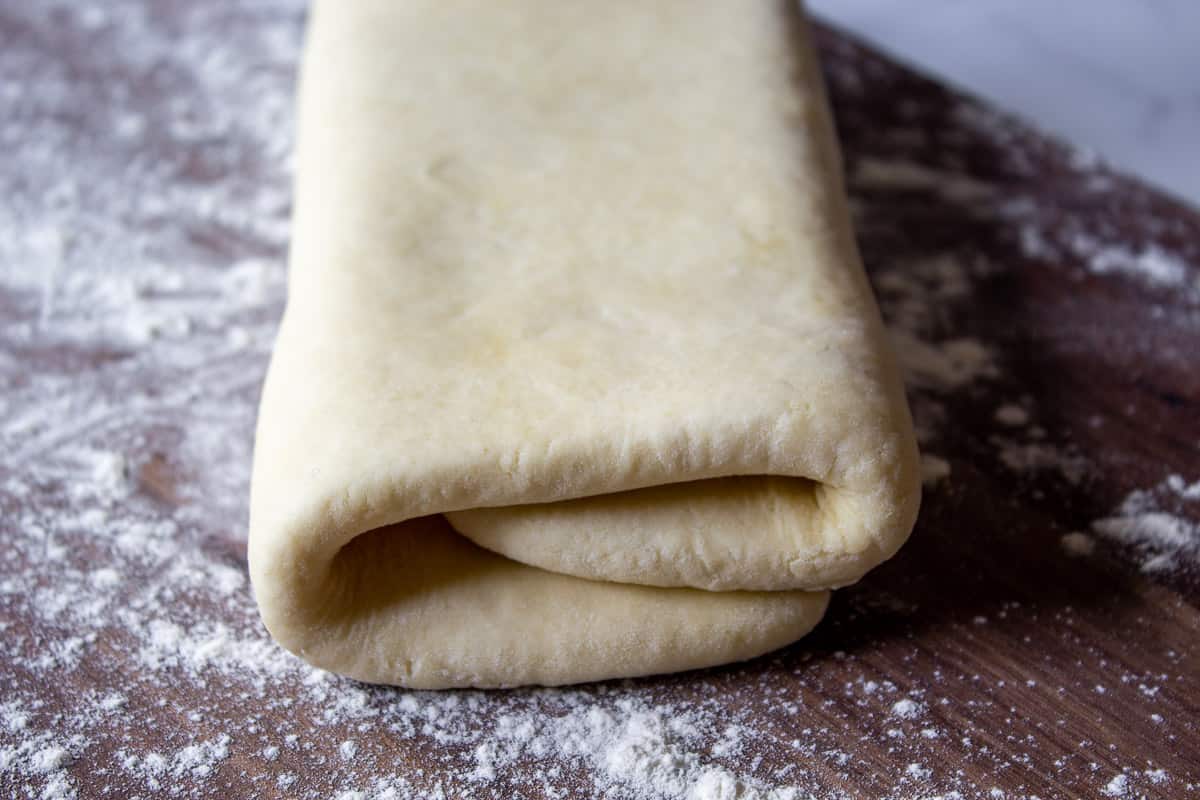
(1027, 670)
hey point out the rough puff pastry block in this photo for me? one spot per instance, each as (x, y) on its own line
(580, 376)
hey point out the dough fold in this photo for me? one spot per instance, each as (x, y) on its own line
(580, 376)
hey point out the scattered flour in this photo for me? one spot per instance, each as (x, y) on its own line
(1156, 776)
(637, 751)
(195, 761)
(199, 759)
(124, 477)
(1152, 265)
(1161, 538)
(915, 296)
(1037, 456)
(45, 758)
(1153, 525)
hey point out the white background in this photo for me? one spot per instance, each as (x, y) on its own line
(1121, 77)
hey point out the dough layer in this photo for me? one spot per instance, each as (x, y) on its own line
(580, 376)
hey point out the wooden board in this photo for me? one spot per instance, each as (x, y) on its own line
(1048, 311)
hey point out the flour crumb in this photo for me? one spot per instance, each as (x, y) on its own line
(1154, 528)
(1177, 485)
(1077, 544)
(1162, 541)
(1153, 265)
(238, 338)
(50, 758)
(254, 282)
(111, 473)
(1117, 787)
(13, 716)
(934, 469)
(877, 174)
(946, 365)
(1012, 415)
(907, 709)
(112, 701)
(144, 324)
(105, 578)
(198, 760)
(918, 772)
(1031, 457)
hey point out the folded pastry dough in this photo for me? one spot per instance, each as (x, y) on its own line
(580, 376)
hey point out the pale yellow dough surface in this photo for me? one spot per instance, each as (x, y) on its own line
(576, 279)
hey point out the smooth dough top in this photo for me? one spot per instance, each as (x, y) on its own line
(580, 278)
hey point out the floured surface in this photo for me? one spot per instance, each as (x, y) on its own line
(995, 652)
